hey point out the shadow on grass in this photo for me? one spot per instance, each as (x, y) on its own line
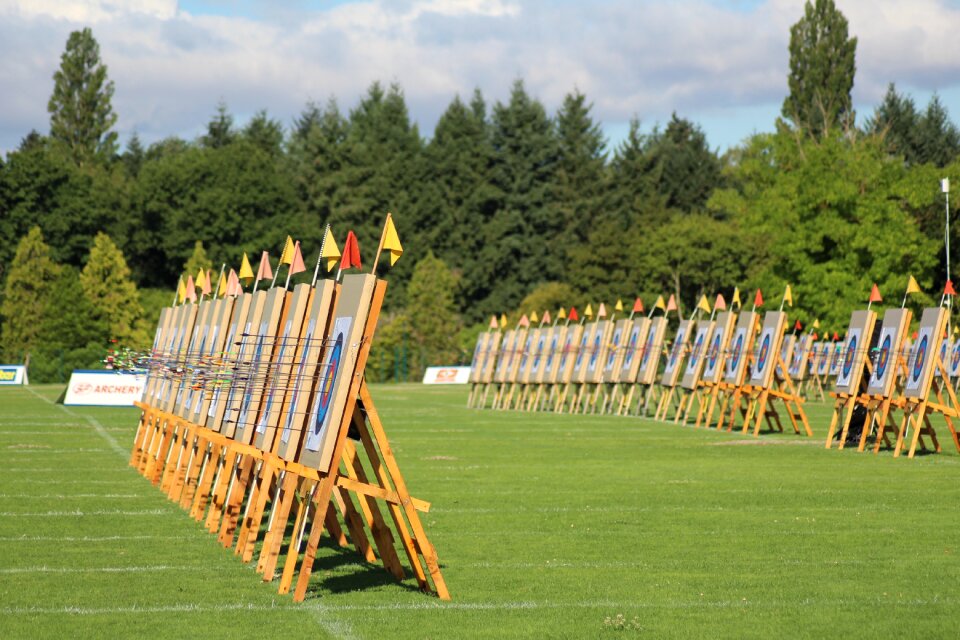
(342, 569)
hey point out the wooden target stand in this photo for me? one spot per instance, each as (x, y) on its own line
(347, 494)
(918, 407)
(851, 375)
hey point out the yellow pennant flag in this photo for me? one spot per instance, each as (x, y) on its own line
(703, 304)
(246, 272)
(503, 320)
(736, 298)
(660, 304)
(181, 291)
(391, 241)
(287, 256)
(816, 323)
(534, 318)
(588, 312)
(222, 286)
(912, 286)
(329, 251)
(562, 314)
(619, 305)
(200, 282)
(788, 296)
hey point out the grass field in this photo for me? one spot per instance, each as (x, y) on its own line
(546, 526)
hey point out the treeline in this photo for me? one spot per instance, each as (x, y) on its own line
(512, 207)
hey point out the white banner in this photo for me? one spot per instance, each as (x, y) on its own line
(12, 374)
(446, 375)
(104, 388)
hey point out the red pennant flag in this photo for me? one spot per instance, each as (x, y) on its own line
(915, 334)
(815, 336)
(351, 252)
(524, 321)
(638, 306)
(719, 304)
(572, 316)
(233, 284)
(836, 336)
(671, 304)
(297, 266)
(948, 290)
(797, 327)
(264, 272)
(758, 299)
(875, 294)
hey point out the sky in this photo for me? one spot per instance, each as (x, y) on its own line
(720, 63)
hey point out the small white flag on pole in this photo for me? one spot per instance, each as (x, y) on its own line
(945, 185)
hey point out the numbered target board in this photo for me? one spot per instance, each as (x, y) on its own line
(650, 358)
(714, 358)
(926, 348)
(698, 350)
(855, 350)
(341, 347)
(767, 349)
(737, 351)
(671, 370)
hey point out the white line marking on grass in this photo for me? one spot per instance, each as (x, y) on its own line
(78, 513)
(144, 569)
(26, 538)
(99, 428)
(31, 481)
(59, 496)
(19, 450)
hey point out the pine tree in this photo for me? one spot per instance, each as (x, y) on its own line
(683, 169)
(938, 140)
(198, 260)
(81, 116)
(220, 131)
(134, 155)
(106, 283)
(25, 295)
(822, 68)
(265, 132)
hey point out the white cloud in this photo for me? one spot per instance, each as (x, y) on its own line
(703, 58)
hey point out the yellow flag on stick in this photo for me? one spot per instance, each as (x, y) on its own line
(330, 252)
(736, 298)
(534, 317)
(660, 304)
(391, 241)
(200, 281)
(704, 304)
(788, 296)
(912, 286)
(246, 272)
(222, 286)
(588, 312)
(619, 305)
(816, 323)
(503, 320)
(181, 291)
(562, 314)
(287, 256)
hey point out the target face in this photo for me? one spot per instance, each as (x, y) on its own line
(675, 352)
(646, 351)
(537, 355)
(613, 352)
(634, 336)
(294, 399)
(696, 350)
(764, 353)
(883, 358)
(553, 349)
(714, 353)
(955, 357)
(848, 357)
(919, 359)
(566, 350)
(737, 352)
(325, 392)
(595, 353)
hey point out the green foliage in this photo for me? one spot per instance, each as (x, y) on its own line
(680, 166)
(265, 133)
(70, 335)
(431, 311)
(220, 130)
(919, 138)
(80, 112)
(822, 66)
(113, 296)
(25, 296)
(198, 260)
(549, 296)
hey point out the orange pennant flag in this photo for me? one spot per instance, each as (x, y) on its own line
(233, 284)
(524, 321)
(264, 272)
(191, 289)
(601, 311)
(720, 304)
(758, 299)
(638, 306)
(671, 304)
(875, 294)
(351, 253)
(493, 322)
(206, 288)
(573, 317)
(948, 290)
(296, 264)
(546, 317)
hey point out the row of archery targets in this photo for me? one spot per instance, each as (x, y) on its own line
(730, 370)
(258, 421)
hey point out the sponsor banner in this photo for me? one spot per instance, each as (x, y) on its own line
(446, 375)
(104, 388)
(12, 374)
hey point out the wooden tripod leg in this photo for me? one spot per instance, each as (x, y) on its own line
(847, 416)
(143, 428)
(273, 541)
(223, 482)
(261, 491)
(192, 478)
(299, 528)
(201, 498)
(236, 499)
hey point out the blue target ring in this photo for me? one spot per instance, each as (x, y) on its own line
(646, 351)
(714, 353)
(737, 352)
(955, 356)
(920, 358)
(553, 349)
(696, 351)
(632, 347)
(325, 393)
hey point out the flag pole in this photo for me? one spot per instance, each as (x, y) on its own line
(286, 285)
(323, 243)
(383, 237)
(176, 292)
(273, 282)
(222, 267)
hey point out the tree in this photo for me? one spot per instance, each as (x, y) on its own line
(134, 156)
(265, 132)
(198, 260)
(431, 311)
(681, 167)
(917, 137)
(938, 140)
(81, 116)
(822, 67)
(25, 295)
(113, 296)
(220, 131)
